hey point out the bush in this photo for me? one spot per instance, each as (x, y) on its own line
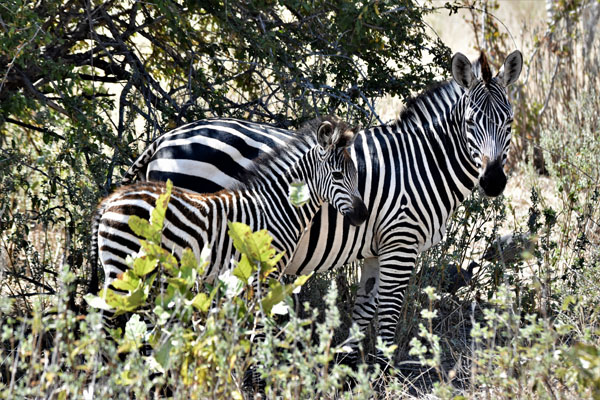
(199, 338)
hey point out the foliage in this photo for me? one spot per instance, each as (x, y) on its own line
(181, 336)
(85, 85)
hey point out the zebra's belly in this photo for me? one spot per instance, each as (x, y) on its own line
(434, 238)
(330, 242)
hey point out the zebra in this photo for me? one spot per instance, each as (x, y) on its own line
(194, 220)
(413, 174)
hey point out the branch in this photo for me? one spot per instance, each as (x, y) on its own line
(35, 169)
(12, 62)
(40, 96)
(96, 78)
(33, 281)
(135, 61)
(33, 127)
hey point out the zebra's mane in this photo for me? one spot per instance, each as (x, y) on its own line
(450, 87)
(305, 136)
(432, 91)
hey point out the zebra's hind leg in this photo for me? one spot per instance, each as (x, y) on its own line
(366, 302)
(365, 305)
(253, 385)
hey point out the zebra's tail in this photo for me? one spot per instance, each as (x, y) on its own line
(137, 171)
(94, 281)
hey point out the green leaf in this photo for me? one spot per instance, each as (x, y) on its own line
(301, 280)
(159, 212)
(180, 283)
(278, 292)
(244, 269)
(239, 234)
(127, 281)
(255, 246)
(123, 303)
(135, 334)
(141, 227)
(201, 302)
(299, 194)
(137, 298)
(188, 260)
(142, 266)
(152, 231)
(275, 295)
(163, 355)
(135, 329)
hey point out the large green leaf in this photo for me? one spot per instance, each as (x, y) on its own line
(278, 292)
(142, 266)
(256, 246)
(244, 269)
(152, 231)
(299, 194)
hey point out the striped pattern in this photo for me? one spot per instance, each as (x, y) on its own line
(194, 220)
(413, 174)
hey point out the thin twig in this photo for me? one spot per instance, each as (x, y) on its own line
(541, 112)
(19, 50)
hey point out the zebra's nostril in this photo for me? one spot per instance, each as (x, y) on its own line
(359, 212)
(493, 181)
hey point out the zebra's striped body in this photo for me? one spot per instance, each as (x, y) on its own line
(412, 176)
(194, 220)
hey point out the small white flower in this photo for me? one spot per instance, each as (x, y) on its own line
(233, 286)
(154, 365)
(280, 308)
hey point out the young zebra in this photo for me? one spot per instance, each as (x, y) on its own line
(194, 220)
(413, 174)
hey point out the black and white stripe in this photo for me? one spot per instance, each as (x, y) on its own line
(194, 220)
(412, 175)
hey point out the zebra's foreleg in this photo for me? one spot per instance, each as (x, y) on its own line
(395, 269)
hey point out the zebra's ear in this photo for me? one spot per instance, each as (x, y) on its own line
(346, 137)
(511, 69)
(462, 70)
(325, 133)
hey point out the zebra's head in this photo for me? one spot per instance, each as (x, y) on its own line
(337, 176)
(487, 116)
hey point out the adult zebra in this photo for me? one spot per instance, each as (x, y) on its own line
(413, 174)
(195, 220)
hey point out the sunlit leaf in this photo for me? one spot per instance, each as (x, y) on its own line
(97, 302)
(299, 194)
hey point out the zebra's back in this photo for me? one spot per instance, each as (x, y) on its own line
(228, 147)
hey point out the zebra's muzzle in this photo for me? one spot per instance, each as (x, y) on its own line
(493, 180)
(358, 214)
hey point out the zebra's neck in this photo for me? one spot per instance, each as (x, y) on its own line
(270, 191)
(438, 117)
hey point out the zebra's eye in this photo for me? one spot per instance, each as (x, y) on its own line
(337, 175)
